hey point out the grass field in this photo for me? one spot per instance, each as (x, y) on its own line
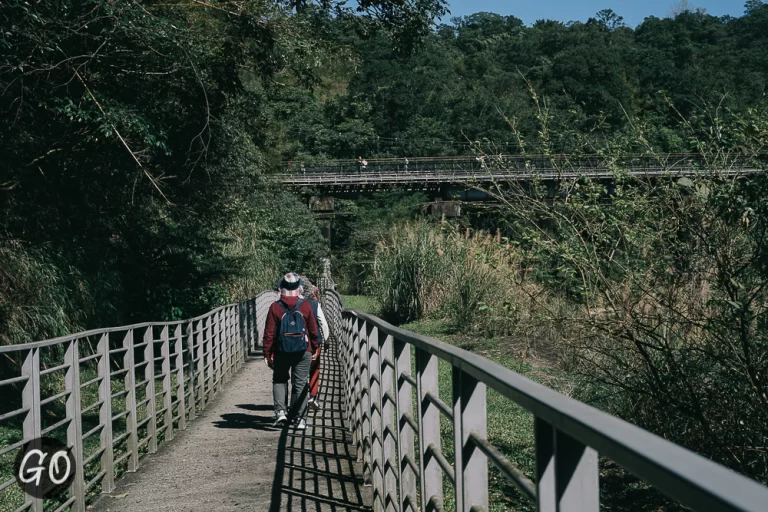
(361, 303)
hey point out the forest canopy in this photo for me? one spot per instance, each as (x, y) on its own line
(135, 139)
(138, 137)
(474, 78)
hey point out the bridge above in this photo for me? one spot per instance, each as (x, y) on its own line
(436, 172)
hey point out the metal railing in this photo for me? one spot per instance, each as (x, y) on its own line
(114, 395)
(256, 317)
(401, 449)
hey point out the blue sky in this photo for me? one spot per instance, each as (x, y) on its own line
(633, 11)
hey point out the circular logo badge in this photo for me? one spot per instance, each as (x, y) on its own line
(44, 467)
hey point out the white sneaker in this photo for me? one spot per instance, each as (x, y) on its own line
(301, 425)
(314, 404)
(282, 419)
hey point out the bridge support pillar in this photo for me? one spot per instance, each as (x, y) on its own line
(323, 210)
(447, 209)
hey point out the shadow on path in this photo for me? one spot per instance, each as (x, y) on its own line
(316, 469)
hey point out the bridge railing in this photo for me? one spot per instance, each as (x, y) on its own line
(114, 395)
(390, 369)
(256, 310)
(513, 165)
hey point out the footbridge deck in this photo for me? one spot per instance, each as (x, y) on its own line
(434, 172)
(177, 416)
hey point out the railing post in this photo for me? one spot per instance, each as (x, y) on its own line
(201, 326)
(131, 422)
(241, 331)
(241, 352)
(190, 339)
(577, 479)
(228, 330)
(240, 355)
(388, 428)
(30, 397)
(165, 351)
(349, 366)
(250, 312)
(357, 413)
(213, 337)
(227, 344)
(376, 427)
(566, 472)
(221, 352)
(237, 341)
(105, 416)
(250, 323)
(210, 342)
(365, 401)
(429, 430)
(471, 465)
(181, 389)
(232, 340)
(544, 434)
(75, 427)
(242, 319)
(220, 370)
(258, 327)
(341, 350)
(405, 435)
(149, 376)
(236, 330)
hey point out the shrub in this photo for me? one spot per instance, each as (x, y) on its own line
(408, 272)
(474, 280)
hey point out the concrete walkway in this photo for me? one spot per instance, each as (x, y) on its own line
(231, 458)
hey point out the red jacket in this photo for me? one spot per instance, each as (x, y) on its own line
(273, 323)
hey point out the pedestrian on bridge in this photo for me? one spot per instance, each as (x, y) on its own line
(290, 341)
(322, 333)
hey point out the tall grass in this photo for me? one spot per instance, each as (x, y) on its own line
(409, 272)
(472, 280)
(40, 297)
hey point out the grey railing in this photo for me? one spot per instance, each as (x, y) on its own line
(114, 395)
(257, 309)
(402, 449)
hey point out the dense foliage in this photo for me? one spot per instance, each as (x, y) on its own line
(135, 139)
(473, 80)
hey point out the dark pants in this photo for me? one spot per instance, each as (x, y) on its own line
(298, 366)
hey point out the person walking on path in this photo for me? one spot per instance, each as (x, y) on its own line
(290, 340)
(322, 332)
